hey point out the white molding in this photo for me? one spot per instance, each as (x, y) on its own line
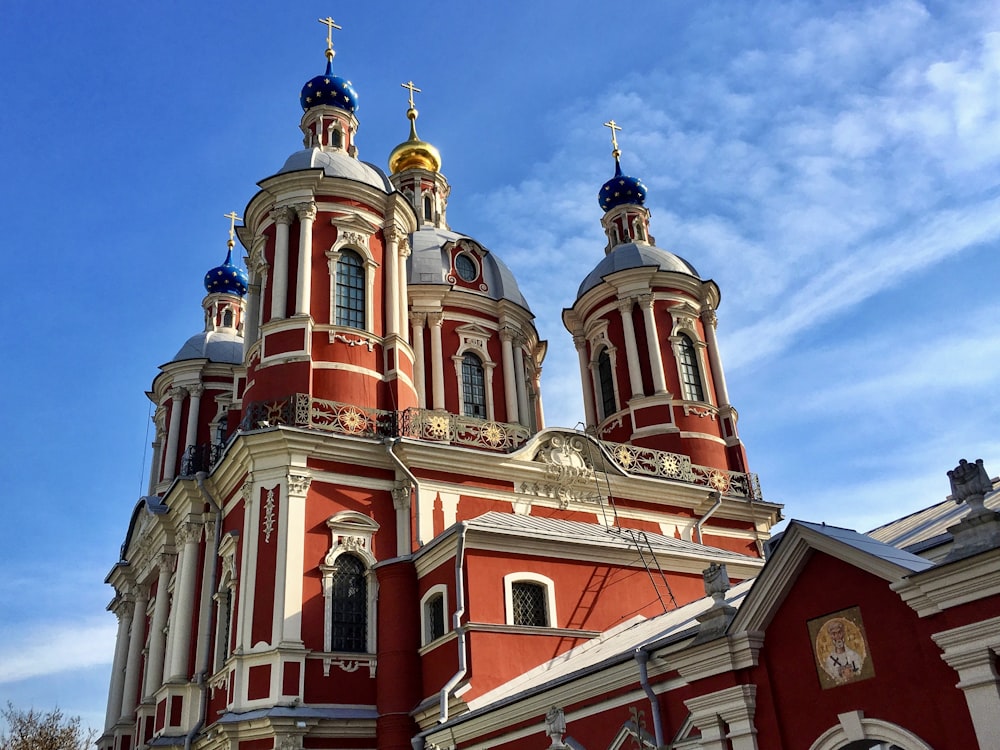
(946, 586)
(853, 726)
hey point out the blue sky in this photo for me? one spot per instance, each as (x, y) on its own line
(834, 166)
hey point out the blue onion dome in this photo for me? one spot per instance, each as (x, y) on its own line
(227, 278)
(330, 90)
(621, 190)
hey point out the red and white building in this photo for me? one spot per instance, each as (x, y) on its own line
(359, 532)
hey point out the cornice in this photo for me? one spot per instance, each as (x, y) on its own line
(952, 584)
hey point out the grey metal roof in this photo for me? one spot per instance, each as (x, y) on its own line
(337, 164)
(591, 533)
(609, 647)
(430, 263)
(869, 545)
(214, 346)
(927, 528)
(634, 255)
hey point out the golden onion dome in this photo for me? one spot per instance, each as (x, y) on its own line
(414, 153)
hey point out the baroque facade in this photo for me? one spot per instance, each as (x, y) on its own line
(359, 533)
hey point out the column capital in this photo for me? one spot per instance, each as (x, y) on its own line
(298, 484)
(507, 333)
(305, 211)
(404, 247)
(625, 305)
(165, 562)
(401, 496)
(645, 301)
(281, 215)
(195, 391)
(188, 532)
(418, 319)
(177, 393)
(246, 489)
(580, 342)
(436, 319)
(708, 317)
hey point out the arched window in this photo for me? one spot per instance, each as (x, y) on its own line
(473, 387)
(691, 388)
(350, 290)
(227, 319)
(529, 599)
(428, 209)
(349, 606)
(434, 618)
(605, 379)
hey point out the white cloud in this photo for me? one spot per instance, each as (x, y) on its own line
(33, 650)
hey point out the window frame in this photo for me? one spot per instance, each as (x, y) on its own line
(611, 394)
(467, 384)
(438, 590)
(688, 367)
(356, 291)
(548, 586)
(351, 533)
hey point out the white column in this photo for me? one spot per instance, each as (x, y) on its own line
(437, 361)
(303, 286)
(419, 380)
(404, 296)
(155, 465)
(401, 503)
(521, 384)
(971, 650)
(509, 386)
(631, 353)
(206, 599)
(251, 319)
(133, 664)
(709, 321)
(391, 281)
(490, 407)
(157, 637)
(539, 407)
(123, 608)
(291, 551)
(194, 402)
(279, 283)
(653, 344)
(188, 536)
(250, 492)
(173, 433)
(590, 415)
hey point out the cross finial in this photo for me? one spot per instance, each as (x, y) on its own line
(413, 89)
(614, 137)
(233, 218)
(330, 26)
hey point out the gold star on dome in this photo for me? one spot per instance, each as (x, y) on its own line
(326, 80)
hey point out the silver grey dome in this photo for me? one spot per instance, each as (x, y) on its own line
(215, 346)
(337, 164)
(633, 255)
(429, 263)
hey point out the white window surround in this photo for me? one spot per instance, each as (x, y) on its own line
(351, 533)
(436, 590)
(473, 338)
(351, 239)
(853, 727)
(525, 577)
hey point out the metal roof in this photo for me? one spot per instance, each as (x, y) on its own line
(869, 545)
(595, 534)
(634, 255)
(928, 528)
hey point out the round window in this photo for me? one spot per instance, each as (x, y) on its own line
(466, 267)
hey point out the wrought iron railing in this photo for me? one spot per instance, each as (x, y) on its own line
(347, 419)
(654, 463)
(201, 458)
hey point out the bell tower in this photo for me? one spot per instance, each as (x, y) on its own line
(643, 324)
(327, 240)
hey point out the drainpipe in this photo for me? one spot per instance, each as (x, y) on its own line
(391, 443)
(641, 657)
(717, 496)
(206, 632)
(450, 686)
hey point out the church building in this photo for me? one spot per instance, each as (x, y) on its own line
(360, 533)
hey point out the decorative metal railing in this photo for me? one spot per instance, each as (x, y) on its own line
(347, 419)
(201, 458)
(654, 463)
(458, 430)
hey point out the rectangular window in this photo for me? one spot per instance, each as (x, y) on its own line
(529, 604)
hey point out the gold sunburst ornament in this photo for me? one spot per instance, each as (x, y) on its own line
(492, 434)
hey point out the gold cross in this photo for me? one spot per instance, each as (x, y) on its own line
(409, 85)
(233, 218)
(614, 136)
(330, 26)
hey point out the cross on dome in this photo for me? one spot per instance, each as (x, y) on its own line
(233, 218)
(330, 26)
(614, 137)
(413, 89)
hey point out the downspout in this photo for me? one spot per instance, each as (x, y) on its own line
(391, 443)
(715, 507)
(450, 686)
(206, 632)
(641, 657)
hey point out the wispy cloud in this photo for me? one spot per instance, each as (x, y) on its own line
(35, 650)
